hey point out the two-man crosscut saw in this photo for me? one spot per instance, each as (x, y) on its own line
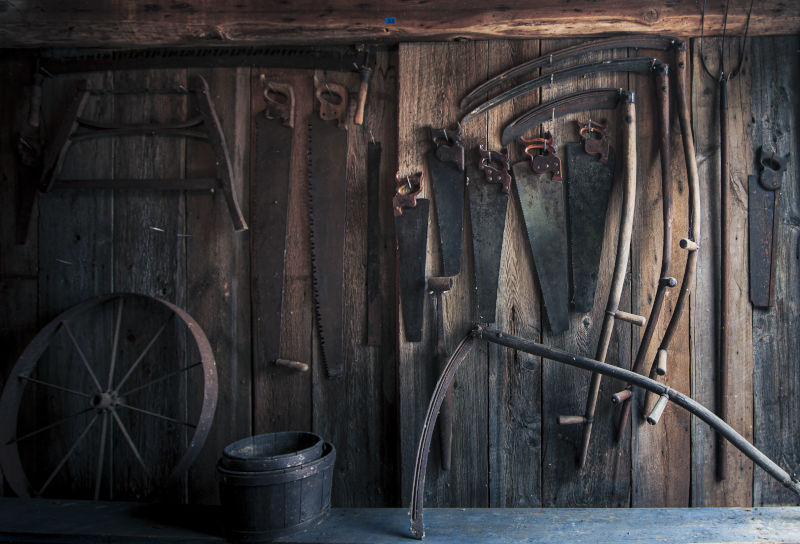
(411, 227)
(590, 176)
(763, 208)
(488, 202)
(269, 195)
(327, 185)
(541, 195)
(593, 100)
(446, 167)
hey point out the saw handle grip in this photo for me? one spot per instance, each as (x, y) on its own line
(406, 192)
(279, 97)
(594, 138)
(496, 165)
(332, 99)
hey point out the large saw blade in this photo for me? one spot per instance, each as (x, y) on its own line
(589, 183)
(446, 166)
(542, 202)
(327, 174)
(269, 198)
(488, 204)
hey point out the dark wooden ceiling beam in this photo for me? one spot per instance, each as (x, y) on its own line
(87, 23)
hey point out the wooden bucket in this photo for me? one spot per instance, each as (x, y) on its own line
(260, 504)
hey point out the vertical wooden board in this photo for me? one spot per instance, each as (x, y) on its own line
(776, 345)
(217, 283)
(282, 399)
(515, 402)
(661, 453)
(150, 258)
(433, 78)
(736, 490)
(381, 124)
(347, 410)
(605, 478)
(74, 264)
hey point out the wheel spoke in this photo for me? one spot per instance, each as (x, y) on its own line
(144, 352)
(154, 414)
(130, 441)
(99, 476)
(161, 379)
(115, 343)
(50, 426)
(83, 357)
(54, 386)
(67, 456)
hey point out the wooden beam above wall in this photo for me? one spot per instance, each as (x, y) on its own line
(87, 23)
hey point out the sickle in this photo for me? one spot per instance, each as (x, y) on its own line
(636, 41)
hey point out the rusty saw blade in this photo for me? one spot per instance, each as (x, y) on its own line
(488, 203)
(590, 177)
(269, 195)
(446, 166)
(411, 227)
(327, 185)
(542, 200)
(763, 220)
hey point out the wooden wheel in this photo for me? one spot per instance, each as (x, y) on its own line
(112, 399)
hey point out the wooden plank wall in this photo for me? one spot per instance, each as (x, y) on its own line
(508, 449)
(531, 459)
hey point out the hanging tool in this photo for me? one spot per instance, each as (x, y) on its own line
(446, 166)
(597, 367)
(764, 223)
(590, 176)
(593, 100)
(365, 70)
(269, 198)
(542, 200)
(724, 195)
(488, 202)
(437, 287)
(411, 227)
(373, 244)
(327, 185)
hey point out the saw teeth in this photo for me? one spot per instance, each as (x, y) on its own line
(314, 271)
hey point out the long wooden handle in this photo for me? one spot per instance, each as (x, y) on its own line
(628, 122)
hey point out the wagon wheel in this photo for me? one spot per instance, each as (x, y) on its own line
(121, 414)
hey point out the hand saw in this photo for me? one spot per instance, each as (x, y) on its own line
(764, 226)
(590, 176)
(411, 227)
(542, 200)
(488, 202)
(269, 199)
(446, 166)
(327, 185)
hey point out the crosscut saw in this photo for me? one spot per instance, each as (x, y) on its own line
(764, 223)
(269, 197)
(542, 200)
(411, 227)
(446, 166)
(590, 176)
(488, 203)
(327, 186)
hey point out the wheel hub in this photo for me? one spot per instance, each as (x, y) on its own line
(105, 401)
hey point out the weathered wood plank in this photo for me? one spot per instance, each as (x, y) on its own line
(776, 345)
(346, 409)
(75, 257)
(123, 22)
(218, 286)
(515, 415)
(661, 453)
(150, 258)
(605, 478)
(128, 522)
(737, 488)
(433, 77)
